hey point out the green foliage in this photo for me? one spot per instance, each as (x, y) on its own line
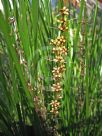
(25, 72)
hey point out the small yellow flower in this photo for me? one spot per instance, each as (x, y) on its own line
(55, 70)
(62, 39)
(57, 77)
(64, 11)
(55, 112)
(59, 59)
(61, 21)
(56, 87)
(57, 50)
(57, 73)
(62, 68)
(64, 50)
(53, 42)
(63, 28)
(58, 96)
(55, 103)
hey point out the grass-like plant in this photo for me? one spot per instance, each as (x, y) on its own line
(27, 67)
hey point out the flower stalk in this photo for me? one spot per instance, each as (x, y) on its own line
(60, 51)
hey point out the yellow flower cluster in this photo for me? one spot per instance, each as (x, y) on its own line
(60, 51)
(59, 41)
(64, 11)
(55, 104)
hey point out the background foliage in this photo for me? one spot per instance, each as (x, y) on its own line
(26, 29)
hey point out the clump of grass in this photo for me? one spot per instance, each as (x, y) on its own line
(28, 83)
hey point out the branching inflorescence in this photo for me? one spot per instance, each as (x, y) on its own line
(60, 51)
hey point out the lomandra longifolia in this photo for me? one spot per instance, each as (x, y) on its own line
(60, 51)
